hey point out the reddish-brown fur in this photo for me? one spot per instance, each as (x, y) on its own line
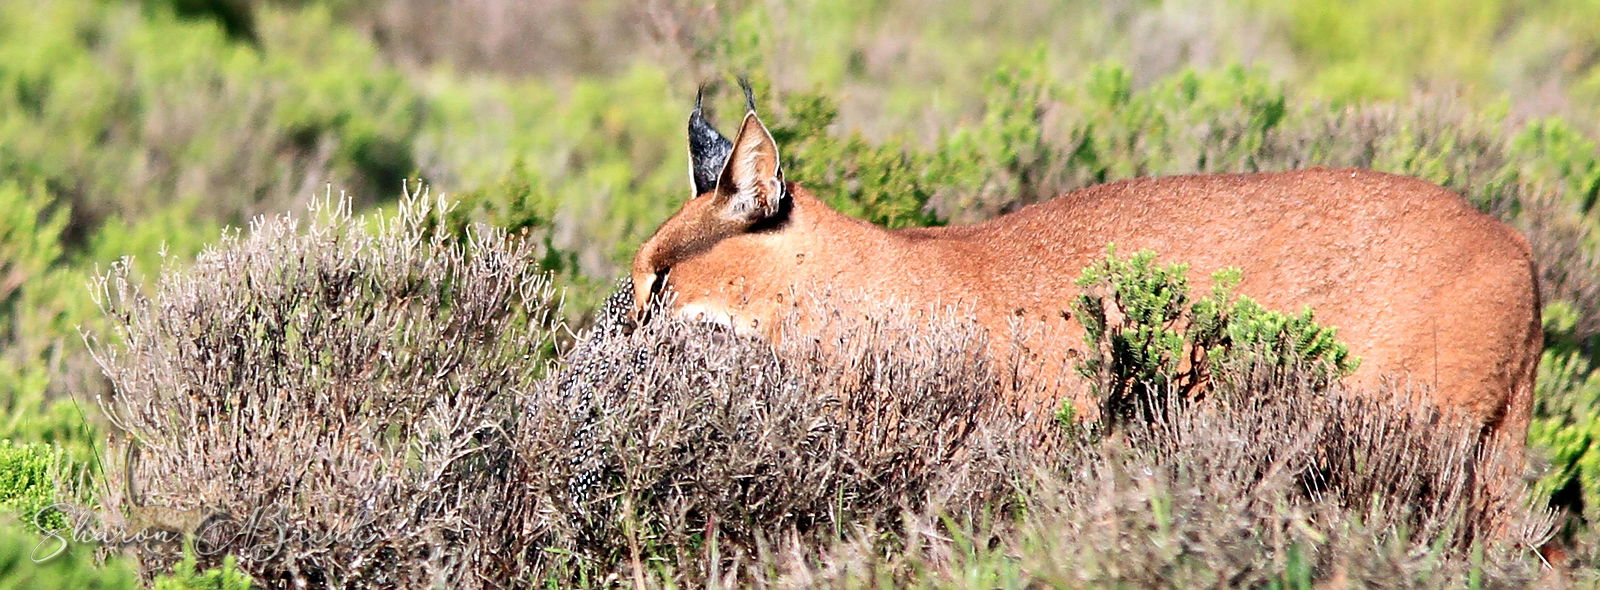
(1422, 287)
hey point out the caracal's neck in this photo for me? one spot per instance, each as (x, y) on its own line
(946, 272)
(858, 248)
(822, 225)
(816, 219)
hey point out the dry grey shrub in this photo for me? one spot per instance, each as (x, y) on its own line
(1270, 484)
(332, 401)
(695, 473)
(690, 437)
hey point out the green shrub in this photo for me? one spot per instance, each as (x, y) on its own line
(604, 163)
(28, 484)
(30, 234)
(47, 381)
(1553, 152)
(1140, 324)
(28, 562)
(521, 203)
(1565, 426)
(1007, 156)
(1235, 330)
(121, 111)
(29, 415)
(1143, 349)
(1370, 49)
(185, 577)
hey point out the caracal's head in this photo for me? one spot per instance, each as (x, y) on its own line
(720, 250)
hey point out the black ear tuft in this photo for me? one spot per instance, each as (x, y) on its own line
(749, 95)
(708, 149)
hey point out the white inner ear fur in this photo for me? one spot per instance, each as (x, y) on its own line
(755, 188)
(754, 171)
(747, 171)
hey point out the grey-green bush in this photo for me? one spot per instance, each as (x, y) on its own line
(346, 386)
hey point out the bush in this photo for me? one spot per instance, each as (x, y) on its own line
(1145, 333)
(1235, 329)
(28, 474)
(1278, 485)
(1565, 427)
(128, 130)
(1143, 349)
(604, 173)
(372, 372)
(678, 440)
(30, 230)
(520, 204)
(75, 568)
(177, 112)
(885, 183)
(185, 577)
(1365, 50)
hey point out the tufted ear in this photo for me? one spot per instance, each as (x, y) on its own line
(750, 187)
(708, 149)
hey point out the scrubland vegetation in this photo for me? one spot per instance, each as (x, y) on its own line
(413, 394)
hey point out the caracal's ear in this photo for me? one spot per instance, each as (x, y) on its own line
(750, 188)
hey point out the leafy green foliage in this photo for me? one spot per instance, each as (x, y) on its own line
(1566, 427)
(30, 234)
(1552, 149)
(1235, 330)
(28, 414)
(1007, 156)
(1123, 133)
(1140, 325)
(177, 112)
(27, 484)
(521, 203)
(184, 576)
(45, 299)
(1130, 311)
(29, 562)
(1371, 49)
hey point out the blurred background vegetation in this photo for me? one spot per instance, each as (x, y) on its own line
(141, 129)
